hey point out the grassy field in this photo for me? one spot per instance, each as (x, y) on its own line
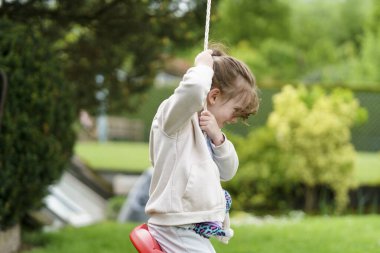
(125, 156)
(367, 168)
(348, 234)
(134, 157)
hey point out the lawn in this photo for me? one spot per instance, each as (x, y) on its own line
(367, 168)
(347, 234)
(134, 157)
(124, 156)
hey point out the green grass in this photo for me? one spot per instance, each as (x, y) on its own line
(348, 234)
(134, 157)
(99, 238)
(124, 156)
(313, 235)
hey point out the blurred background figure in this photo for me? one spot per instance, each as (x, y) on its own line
(87, 126)
(133, 208)
(85, 120)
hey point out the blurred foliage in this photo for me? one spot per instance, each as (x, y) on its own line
(306, 142)
(123, 41)
(318, 41)
(127, 42)
(252, 21)
(36, 138)
(114, 206)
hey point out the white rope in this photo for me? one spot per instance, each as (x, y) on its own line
(207, 26)
(207, 29)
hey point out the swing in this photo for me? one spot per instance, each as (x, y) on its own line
(140, 235)
(143, 240)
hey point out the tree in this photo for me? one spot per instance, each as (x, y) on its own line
(37, 136)
(315, 129)
(306, 141)
(375, 17)
(252, 21)
(121, 40)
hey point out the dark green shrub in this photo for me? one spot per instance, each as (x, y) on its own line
(36, 137)
(261, 182)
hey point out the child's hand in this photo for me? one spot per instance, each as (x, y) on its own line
(208, 123)
(204, 58)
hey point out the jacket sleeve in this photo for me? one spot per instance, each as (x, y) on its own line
(188, 98)
(226, 159)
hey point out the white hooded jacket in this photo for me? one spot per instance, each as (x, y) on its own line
(185, 186)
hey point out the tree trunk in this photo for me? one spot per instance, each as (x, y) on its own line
(10, 239)
(309, 198)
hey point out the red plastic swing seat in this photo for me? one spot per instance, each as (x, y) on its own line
(143, 240)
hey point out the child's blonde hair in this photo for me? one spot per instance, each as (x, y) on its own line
(233, 78)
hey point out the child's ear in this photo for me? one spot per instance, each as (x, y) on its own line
(213, 94)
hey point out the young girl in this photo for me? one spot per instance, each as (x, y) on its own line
(191, 155)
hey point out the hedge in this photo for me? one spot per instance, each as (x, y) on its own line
(36, 139)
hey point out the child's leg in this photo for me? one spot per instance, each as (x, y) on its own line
(175, 240)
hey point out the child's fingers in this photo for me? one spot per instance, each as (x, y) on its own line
(203, 121)
(206, 113)
(204, 58)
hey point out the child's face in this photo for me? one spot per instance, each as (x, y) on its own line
(225, 111)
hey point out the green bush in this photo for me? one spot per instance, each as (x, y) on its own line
(259, 183)
(36, 138)
(306, 141)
